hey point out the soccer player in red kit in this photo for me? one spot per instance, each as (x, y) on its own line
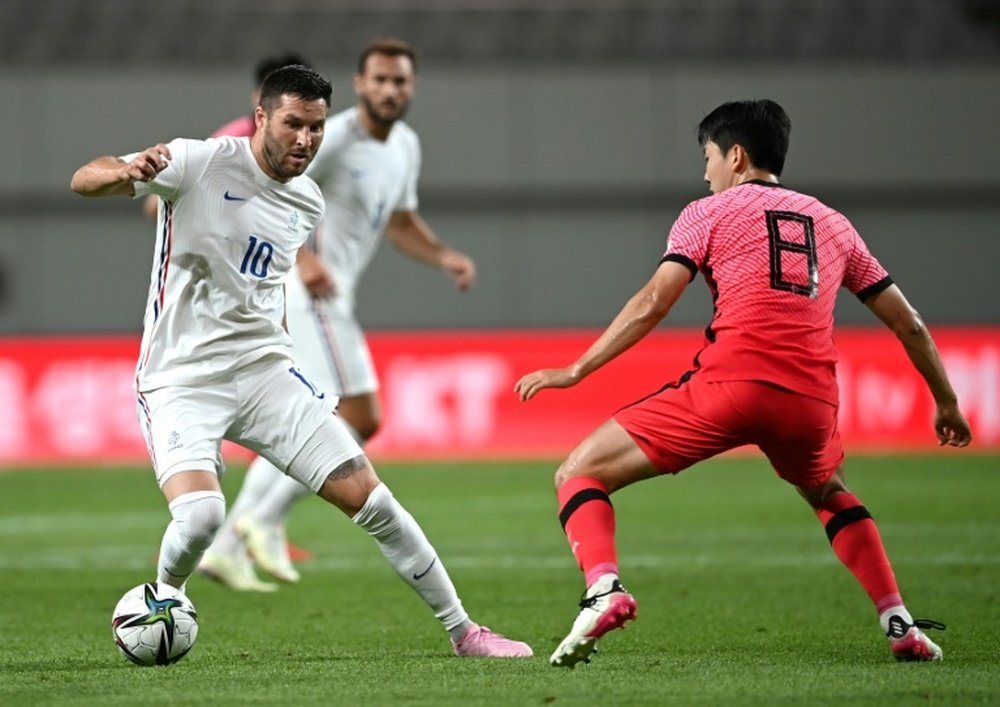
(773, 259)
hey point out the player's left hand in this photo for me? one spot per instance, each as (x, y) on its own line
(459, 268)
(529, 385)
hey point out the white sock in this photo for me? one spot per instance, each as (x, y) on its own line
(407, 549)
(260, 477)
(602, 584)
(275, 505)
(196, 518)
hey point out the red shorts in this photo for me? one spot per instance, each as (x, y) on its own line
(694, 420)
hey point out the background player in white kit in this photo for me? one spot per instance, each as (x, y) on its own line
(367, 168)
(215, 361)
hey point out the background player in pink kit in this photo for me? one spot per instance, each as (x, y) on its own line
(215, 361)
(773, 259)
(245, 125)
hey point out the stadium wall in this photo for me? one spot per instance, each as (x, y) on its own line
(560, 180)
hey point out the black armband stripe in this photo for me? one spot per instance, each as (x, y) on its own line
(844, 518)
(884, 284)
(577, 500)
(683, 260)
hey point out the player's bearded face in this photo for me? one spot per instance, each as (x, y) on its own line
(291, 136)
(386, 87)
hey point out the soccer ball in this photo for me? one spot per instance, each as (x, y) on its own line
(154, 624)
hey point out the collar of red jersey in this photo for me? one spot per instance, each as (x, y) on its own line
(761, 183)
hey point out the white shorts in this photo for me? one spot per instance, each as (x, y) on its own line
(329, 344)
(269, 407)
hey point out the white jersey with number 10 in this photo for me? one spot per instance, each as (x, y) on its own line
(227, 235)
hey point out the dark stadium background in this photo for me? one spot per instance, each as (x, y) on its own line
(558, 141)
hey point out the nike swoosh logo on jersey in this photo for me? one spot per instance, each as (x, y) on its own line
(422, 574)
(229, 197)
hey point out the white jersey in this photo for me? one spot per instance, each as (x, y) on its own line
(227, 235)
(364, 180)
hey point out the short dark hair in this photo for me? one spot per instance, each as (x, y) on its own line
(390, 46)
(296, 80)
(759, 127)
(270, 63)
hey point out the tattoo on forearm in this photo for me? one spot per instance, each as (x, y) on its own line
(351, 466)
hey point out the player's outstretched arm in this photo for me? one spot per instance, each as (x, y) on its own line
(891, 307)
(638, 317)
(108, 176)
(411, 234)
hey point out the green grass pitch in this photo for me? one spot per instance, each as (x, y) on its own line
(741, 601)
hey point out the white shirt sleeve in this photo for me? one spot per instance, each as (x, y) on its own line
(408, 201)
(187, 159)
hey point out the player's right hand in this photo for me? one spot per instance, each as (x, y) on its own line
(529, 385)
(460, 268)
(318, 281)
(147, 164)
(951, 426)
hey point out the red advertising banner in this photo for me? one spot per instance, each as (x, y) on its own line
(449, 395)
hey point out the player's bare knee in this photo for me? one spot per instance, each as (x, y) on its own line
(817, 496)
(573, 467)
(348, 486)
(347, 469)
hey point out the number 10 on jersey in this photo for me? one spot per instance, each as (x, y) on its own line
(257, 258)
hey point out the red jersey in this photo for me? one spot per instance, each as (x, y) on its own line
(773, 259)
(244, 126)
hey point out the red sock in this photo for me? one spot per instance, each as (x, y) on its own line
(588, 519)
(857, 543)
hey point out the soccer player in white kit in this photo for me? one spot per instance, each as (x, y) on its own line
(368, 168)
(215, 361)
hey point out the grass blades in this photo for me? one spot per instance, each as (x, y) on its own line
(740, 599)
